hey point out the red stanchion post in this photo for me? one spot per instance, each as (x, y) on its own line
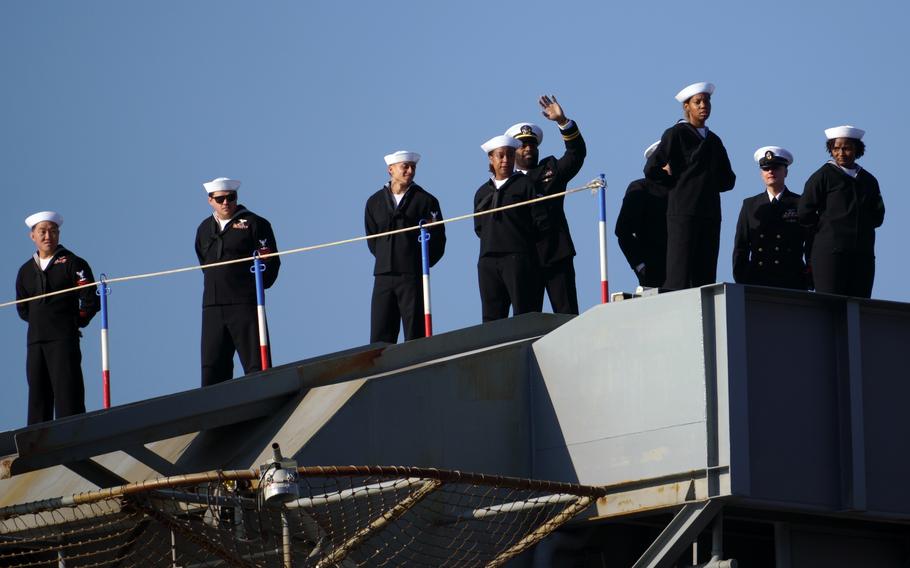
(258, 268)
(602, 230)
(424, 239)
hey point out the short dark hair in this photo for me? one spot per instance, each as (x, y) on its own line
(857, 143)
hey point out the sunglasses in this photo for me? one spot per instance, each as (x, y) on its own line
(230, 197)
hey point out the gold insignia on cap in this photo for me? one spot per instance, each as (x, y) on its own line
(769, 155)
(525, 129)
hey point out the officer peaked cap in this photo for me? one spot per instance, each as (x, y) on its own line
(773, 155)
(525, 131)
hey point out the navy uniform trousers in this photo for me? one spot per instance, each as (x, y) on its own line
(54, 371)
(396, 298)
(693, 244)
(846, 273)
(509, 279)
(224, 329)
(559, 280)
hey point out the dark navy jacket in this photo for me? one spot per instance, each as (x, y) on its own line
(244, 234)
(56, 317)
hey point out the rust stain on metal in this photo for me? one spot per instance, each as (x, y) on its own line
(325, 371)
(642, 499)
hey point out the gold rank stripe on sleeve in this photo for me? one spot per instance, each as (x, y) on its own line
(572, 135)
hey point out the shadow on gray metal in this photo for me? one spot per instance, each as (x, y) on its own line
(236, 418)
(678, 534)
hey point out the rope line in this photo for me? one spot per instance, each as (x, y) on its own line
(592, 185)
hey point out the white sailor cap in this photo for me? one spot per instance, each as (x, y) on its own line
(845, 131)
(525, 130)
(773, 155)
(500, 141)
(221, 184)
(693, 90)
(51, 216)
(651, 149)
(401, 156)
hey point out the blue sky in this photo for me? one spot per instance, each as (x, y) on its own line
(115, 112)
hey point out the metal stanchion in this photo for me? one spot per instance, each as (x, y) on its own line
(602, 233)
(258, 268)
(424, 239)
(103, 291)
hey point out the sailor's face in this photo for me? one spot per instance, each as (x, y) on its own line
(844, 152)
(46, 236)
(502, 162)
(698, 107)
(228, 205)
(402, 173)
(774, 175)
(526, 157)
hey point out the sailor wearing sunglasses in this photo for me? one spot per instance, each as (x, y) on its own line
(229, 320)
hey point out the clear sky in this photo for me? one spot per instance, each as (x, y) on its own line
(115, 112)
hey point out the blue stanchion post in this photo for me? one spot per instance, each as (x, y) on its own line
(602, 234)
(424, 239)
(258, 268)
(103, 291)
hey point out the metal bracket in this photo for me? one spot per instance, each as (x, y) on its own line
(678, 534)
(96, 473)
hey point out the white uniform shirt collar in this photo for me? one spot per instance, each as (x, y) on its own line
(501, 182)
(772, 198)
(852, 173)
(222, 223)
(398, 196)
(703, 131)
(43, 263)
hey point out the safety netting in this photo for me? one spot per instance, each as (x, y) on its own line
(335, 516)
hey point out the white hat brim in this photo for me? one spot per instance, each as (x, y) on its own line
(501, 141)
(845, 131)
(221, 184)
(694, 89)
(401, 156)
(40, 216)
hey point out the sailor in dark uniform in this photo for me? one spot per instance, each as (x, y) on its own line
(54, 361)
(843, 205)
(549, 176)
(397, 284)
(507, 269)
(699, 171)
(229, 316)
(641, 228)
(770, 244)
